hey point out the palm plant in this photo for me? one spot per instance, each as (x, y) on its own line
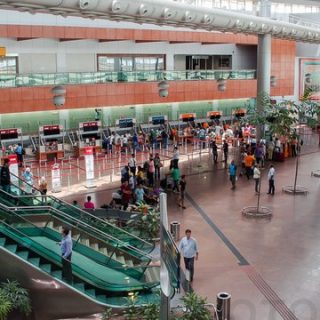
(5, 306)
(17, 296)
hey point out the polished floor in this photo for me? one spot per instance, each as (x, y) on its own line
(271, 267)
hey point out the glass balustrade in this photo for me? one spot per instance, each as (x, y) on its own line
(50, 79)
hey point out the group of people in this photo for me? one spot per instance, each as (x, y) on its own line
(116, 143)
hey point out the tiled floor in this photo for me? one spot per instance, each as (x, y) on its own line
(282, 278)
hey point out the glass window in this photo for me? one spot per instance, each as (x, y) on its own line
(126, 64)
(8, 65)
(106, 63)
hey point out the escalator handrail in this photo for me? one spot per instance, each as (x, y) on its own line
(87, 226)
(76, 221)
(86, 213)
(56, 258)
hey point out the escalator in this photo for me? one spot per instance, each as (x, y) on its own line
(18, 198)
(103, 273)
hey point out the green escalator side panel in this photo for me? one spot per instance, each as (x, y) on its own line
(2, 241)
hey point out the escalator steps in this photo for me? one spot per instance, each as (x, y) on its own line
(11, 247)
(34, 261)
(23, 254)
(2, 241)
(91, 292)
(57, 274)
(46, 267)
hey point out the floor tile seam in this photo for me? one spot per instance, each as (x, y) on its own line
(272, 297)
(264, 287)
(220, 234)
(238, 255)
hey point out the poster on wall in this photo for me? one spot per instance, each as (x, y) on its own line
(310, 77)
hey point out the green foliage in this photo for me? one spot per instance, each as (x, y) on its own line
(195, 307)
(107, 314)
(132, 312)
(17, 296)
(148, 224)
(5, 306)
(150, 312)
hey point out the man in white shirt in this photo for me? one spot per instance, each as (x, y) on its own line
(189, 249)
(132, 164)
(271, 174)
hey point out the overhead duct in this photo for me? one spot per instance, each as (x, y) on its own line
(164, 12)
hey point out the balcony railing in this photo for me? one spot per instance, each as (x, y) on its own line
(47, 79)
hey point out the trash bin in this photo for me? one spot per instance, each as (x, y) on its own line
(223, 305)
(175, 230)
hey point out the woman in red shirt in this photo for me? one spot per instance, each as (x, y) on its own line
(89, 204)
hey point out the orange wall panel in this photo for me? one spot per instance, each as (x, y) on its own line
(93, 95)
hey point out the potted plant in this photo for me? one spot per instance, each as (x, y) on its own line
(18, 298)
(5, 306)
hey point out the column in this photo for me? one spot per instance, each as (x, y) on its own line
(264, 62)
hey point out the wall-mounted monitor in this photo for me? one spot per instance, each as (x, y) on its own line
(90, 126)
(187, 117)
(214, 115)
(125, 123)
(51, 130)
(155, 120)
(7, 134)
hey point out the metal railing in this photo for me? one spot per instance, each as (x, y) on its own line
(49, 79)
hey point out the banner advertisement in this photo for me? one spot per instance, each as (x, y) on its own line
(56, 178)
(13, 168)
(89, 167)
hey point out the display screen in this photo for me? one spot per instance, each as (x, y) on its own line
(6, 134)
(90, 126)
(125, 123)
(51, 130)
(215, 116)
(158, 120)
(188, 119)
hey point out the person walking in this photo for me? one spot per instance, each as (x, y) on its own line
(66, 253)
(175, 174)
(132, 164)
(271, 174)
(182, 184)
(89, 204)
(28, 178)
(225, 148)
(43, 187)
(188, 247)
(176, 156)
(151, 171)
(233, 174)
(256, 177)
(214, 151)
(157, 166)
(5, 179)
(248, 163)
(20, 153)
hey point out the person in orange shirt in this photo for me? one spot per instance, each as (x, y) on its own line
(205, 125)
(248, 163)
